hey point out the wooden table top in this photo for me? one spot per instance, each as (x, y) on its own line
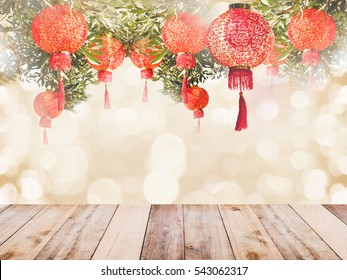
(173, 232)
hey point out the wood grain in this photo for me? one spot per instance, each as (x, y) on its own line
(164, 236)
(330, 228)
(12, 221)
(338, 210)
(205, 235)
(124, 236)
(247, 235)
(80, 235)
(292, 236)
(3, 207)
(33, 236)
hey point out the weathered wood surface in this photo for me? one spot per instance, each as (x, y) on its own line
(164, 237)
(248, 237)
(176, 232)
(205, 235)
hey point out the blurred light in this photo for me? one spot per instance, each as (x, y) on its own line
(3, 95)
(299, 100)
(275, 185)
(339, 197)
(47, 159)
(315, 184)
(231, 167)
(343, 165)
(132, 76)
(168, 153)
(161, 187)
(343, 94)
(267, 149)
(220, 117)
(31, 188)
(104, 191)
(3, 165)
(300, 160)
(8, 194)
(267, 110)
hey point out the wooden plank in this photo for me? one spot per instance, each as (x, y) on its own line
(124, 236)
(205, 235)
(247, 235)
(80, 235)
(3, 207)
(164, 236)
(33, 236)
(339, 211)
(292, 236)
(330, 228)
(15, 218)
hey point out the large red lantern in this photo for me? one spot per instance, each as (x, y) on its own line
(197, 100)
(142, 57)
(312, 31)
(60, 31)
(185, 35)
(46, 106)
(111, 57)
(240, 39)
(273, 60)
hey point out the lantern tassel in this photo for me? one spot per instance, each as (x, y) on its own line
(61, 94)
(198, 114)
(240, 79)
(185, 89)
(242, 117)
(107, 102)
(145, 94)
(45, 138)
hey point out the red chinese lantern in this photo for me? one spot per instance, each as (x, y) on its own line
(46, 106)
(140, 55)
(60, 31)
(185, 35)
(311, 31)
(111, 57)
(240, 39)
(273, 60)
(197, 100)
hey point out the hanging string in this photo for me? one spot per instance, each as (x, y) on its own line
(145, 93)
(198, 127)
(107, 102)
(45, 138)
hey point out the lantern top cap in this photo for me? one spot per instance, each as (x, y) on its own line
(240, 5)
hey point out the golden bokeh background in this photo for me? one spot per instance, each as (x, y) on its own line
(295, 150)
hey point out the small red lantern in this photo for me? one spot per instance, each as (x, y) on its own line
(46, 106)
(312, 31)
(197, 100)
(273, 60)
(60, 31)
(185, 35)
(112, 55)
(240, 39)
(140, 55)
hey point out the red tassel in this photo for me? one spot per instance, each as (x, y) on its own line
(311, 57)
(45, 122)
(60, 61)
(185, 61)
(145, 94)
(198, 114)
(107, 103)
(61, 95)
(185, 89)
(45, 138)
(242, 117)
(104, 76)
(240, 79)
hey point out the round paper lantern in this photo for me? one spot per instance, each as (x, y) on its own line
(46, 106)
(141, 56)
(185, 35)
(311, 31)
(240, 39)
(111, 57)
(60, 31)
(273, 60)
(197, 100)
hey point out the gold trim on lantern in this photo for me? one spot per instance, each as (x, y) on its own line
(240, 5)
(241, 67)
